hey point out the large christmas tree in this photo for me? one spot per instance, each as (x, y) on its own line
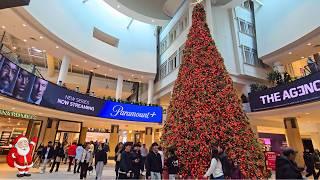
(205, 110)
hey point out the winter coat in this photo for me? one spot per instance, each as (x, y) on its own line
(58, 152)
(72, 150)
(126, 162)
(136, 156)
(226, 165)
(153, 163)
(101, 155)
(173, 164)
(50, 153)
(286, 169)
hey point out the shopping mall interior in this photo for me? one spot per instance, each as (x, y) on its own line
(105, 70)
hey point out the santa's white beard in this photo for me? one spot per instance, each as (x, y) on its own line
(23, 151)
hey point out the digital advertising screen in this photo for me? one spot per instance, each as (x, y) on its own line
(18, 83)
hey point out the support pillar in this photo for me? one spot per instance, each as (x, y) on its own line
(50, 132)
(294, 138)
(89, 83)
(150, 91)
(148, 138)
(315, 137)
(83, 135)
(114, 138)
(63, 69)
(119, 87)
(50, 63)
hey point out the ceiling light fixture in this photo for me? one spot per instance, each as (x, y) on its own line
(302, 57)
(77, 65)
(14, 47)
(3, 27)
(110, 69)
(57, 47)
(41, 37)
(24, 25)
(118, 6)
(44, 50)
(91, 70)
(307, 113)
(129, 79)
(132, 75)
(152, 20)
(105, 74)
(290, 52)
(98, 65)
(85, 61)
(24, 40)
(309, 44)
(13, 108)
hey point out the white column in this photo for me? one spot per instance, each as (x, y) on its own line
(119, 87)
(150, 91)
(64, 69)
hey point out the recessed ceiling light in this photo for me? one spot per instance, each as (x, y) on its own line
(118, 6)
(24, 40)
(57, 47)
(98, 66)
(77, 65)
(139, 81)
(309, 44)
(105, 74)
(307, 113)
(132, 75)
(32, 47)
(44, 50)
(14, 47)
(129, 79)
(91, 70)
(110, 69)
(40, 113)
(302, 57)
(24, 25)
(1, 98)
(41, 37)
(3, 27)
(142, 77)
(85, 61)
(290, 52)
(152, 20)
(13, 108)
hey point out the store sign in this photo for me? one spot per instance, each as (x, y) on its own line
(16, 114)
(131, 112)
(306, 89)
(17, 83)
(271, 160)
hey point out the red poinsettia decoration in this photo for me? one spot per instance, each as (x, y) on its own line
(205, 110)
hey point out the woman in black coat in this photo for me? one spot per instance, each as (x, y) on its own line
(58, 155)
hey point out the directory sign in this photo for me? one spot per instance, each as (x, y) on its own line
(303, 90)
(18, 83)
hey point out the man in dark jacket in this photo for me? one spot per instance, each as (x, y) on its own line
(286, 167)
(154, 163)
(125, 170)
(46, 156)
(136, 161)
(226, 165)
(309, 161)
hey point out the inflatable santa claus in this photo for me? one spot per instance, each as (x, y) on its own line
(20, 155)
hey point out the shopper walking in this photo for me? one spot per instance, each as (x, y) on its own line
(77, 162)
(316, 159)
(125, 168)
(172, 164)
(286, 167)
(215, 170)
(154, 163)
(71, 154)
(100, 160)
(47, 155)
(309, 162)
(58, 156)
(118, 150)
(136, 161)
(144, 153)
(86, 159)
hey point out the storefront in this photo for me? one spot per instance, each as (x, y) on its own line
(100, 135)
(13, 124)
(68, 131)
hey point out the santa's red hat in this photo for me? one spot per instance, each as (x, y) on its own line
(17, 139)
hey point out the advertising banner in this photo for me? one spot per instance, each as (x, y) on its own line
(17, 83)
(271, 160)
(306, 89)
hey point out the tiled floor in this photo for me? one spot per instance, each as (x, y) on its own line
(7, 172)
